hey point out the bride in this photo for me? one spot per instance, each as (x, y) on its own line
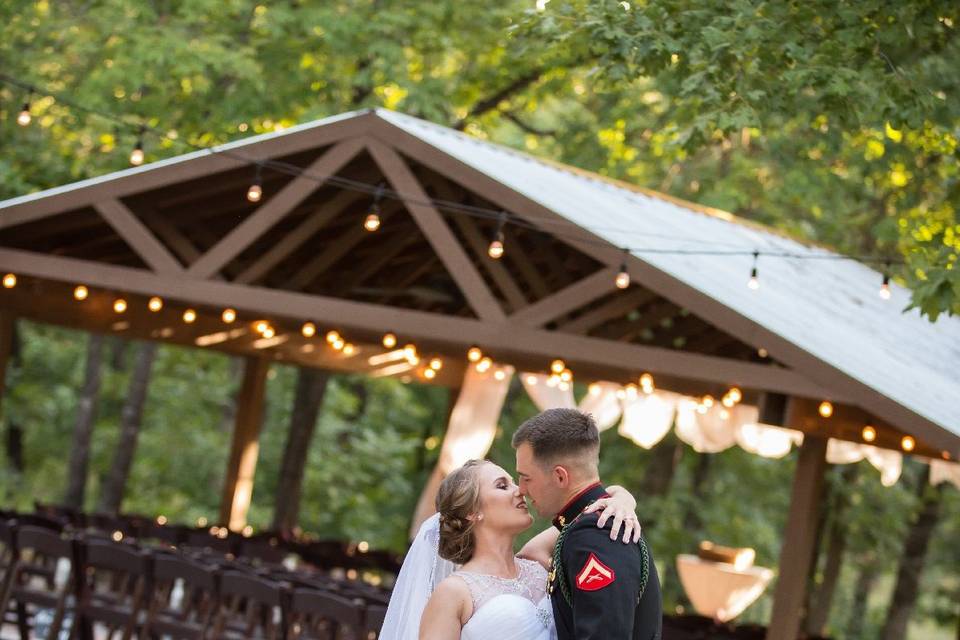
(461, 578)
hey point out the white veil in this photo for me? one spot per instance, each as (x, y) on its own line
(422, 571)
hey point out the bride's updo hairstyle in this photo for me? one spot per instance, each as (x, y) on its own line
(457, 498)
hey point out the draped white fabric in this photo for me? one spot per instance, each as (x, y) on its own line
(647, 418)
(943, 471)
(602, 403)
(714, 429)
(546, 393)
(767, 440)
(888, 463)
(472, 428)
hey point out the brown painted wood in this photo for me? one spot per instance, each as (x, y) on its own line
(138, 236)
(275, 208)
(160, 174)
(799, 539)
(444, 243)
(566, 300)
(617, 307)
(498, 272)
(245, 444)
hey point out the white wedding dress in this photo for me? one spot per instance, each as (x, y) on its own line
(509, 609)
(503, 609)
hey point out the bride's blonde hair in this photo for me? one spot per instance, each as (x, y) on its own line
(457, 499)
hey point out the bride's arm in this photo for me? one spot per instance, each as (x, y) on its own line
(621, 505)
(443, 615)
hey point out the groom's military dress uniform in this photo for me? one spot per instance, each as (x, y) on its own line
(601, 588)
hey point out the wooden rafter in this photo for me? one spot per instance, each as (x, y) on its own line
(275, 208)
(569, 299)
(615, 308)
(138, 236)
(438, 234)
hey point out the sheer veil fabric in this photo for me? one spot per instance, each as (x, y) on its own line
(423, 569)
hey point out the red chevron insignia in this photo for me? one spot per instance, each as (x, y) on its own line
(594, 575)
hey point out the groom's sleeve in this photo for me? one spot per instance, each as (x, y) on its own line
(604, 580)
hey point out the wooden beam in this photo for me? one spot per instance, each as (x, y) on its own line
(181, 245)
(275, 208)
(438, 234)
(37, 206)
(300, 234)
(245, 444)
(138, 236)
(382, 257)
(799, 540)
(522, 262)
(617, 307)
(497, 270)
(502, 340)
(567, 299)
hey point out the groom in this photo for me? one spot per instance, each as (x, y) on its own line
(599, 588)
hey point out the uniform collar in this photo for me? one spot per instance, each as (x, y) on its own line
(578, 503)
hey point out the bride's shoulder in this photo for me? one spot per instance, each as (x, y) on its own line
(453, 587)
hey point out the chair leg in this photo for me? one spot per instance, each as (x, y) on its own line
(22, 623)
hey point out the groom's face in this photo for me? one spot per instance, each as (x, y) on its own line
(536, 482)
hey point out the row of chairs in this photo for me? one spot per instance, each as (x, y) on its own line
(128, 591)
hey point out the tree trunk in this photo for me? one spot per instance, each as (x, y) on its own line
(311, 387)
(692, 521)
(861, 594)
(83, 429)
(130, 421)
(662, 466)
(821, 597)
(229, 415)
(913, 558)
(118, 354)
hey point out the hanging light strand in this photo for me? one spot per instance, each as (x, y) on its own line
(24, 117)
(495, 250)
(623, 277)
(372, 222)
(255, 192)
(754, 281)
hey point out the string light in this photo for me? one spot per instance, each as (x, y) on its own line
(372, 222)
(255, 192)
(332, 336)
(410, 352)
(436, 364)
(754, 281)
(623, 278)
(735, 394)
(500, 374)
(907, 443)
(189, 316)
(80, 292)
(707, 401)
(10, 281)
(495, 250)
(532, 380)
(566, 375)
(474, 354)
(557, 366)
(429, 374)
(389, 340)
(136, 156)
(349, 349)
(119, 305)
(885, 285)
(869, 434)
(826, 409)
(338, 344)
(155, 304)
(228, 315)
(308, 329)
(484, 364)
(268, 332)
(24, 118)
(646, 383)
(261, 326)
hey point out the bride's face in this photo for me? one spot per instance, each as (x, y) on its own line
(501, 504)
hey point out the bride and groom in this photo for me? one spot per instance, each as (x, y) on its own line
(461, 578)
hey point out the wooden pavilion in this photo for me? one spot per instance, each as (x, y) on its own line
(184, 230)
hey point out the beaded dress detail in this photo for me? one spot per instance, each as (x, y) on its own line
(509, 608)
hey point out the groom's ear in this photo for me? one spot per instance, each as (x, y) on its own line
(561, 476)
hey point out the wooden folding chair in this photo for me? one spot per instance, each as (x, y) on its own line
(183, 600)
(114, 578)
(250, 607)
(319, 615)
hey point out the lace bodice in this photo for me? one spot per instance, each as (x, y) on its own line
(509, 608)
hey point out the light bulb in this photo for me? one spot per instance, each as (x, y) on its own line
(9, 281)
(349, 349)
(753, 282)
(566, 375)
(499, 374)
(495, 250)
(735, 395)
(826, 409)
(254, 193)
(338, 344)
(372, 221)
(268, 333)
(869, 433)
(484, 364)
(155, 304)
(23, 119)
(119, 305)
(429, 374)
(646, 381)
(557, 366)
(189, 316)
(474, 354)
(436, 364)
(136, 156)
(333, 336)
(228, 315)
(907, 443)
(707, 401)
(623, 278)
(308, 329)
(389, 340)
(531, 379)
(261, 326)
(80, 292)
(885, 291)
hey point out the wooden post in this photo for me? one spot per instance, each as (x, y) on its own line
(7, 320)
(245, 446)
(796, 554)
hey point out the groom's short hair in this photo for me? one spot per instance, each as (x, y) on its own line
(561, 435)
